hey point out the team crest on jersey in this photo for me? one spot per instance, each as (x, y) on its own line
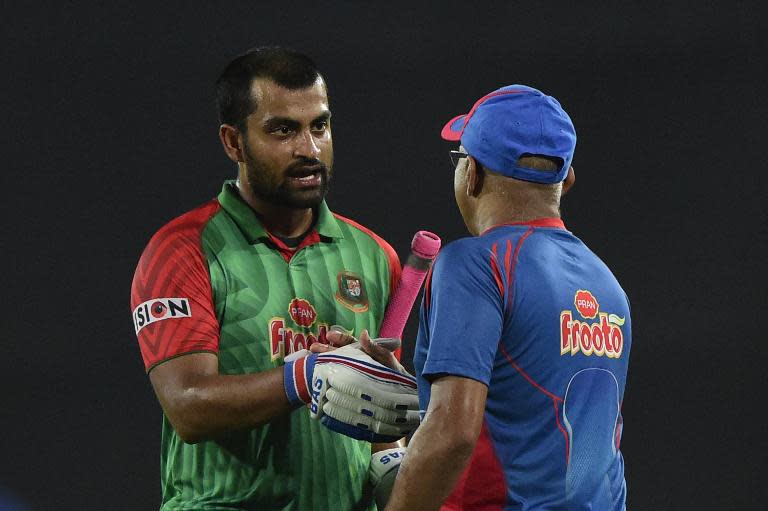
(600, 338)
(159, 309)
(351, 293)
(302, 312)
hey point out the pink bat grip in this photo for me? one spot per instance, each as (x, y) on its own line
(424, 247)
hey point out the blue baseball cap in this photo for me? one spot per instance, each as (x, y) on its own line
(513, 121)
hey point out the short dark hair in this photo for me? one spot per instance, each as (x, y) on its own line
(285, 67)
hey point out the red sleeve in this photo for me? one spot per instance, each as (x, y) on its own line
(171, 296)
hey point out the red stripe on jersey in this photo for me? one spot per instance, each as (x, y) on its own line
(394, 262)
(495, 270)
(482, 486)
(525, 375)
(511, 268)
(556, 223)
(508, 260)
(555, 399)
(173, 265)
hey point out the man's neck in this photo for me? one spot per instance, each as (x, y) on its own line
(281, 221)
(492, 213)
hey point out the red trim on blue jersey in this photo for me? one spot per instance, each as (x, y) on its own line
(513, 265)
(508, 259)
(556, 223)
(394, 261)
(555, 399)
(173, 265)
(495, 270)
(482, 485)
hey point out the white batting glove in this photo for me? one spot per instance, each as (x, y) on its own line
(382, 473)
(352, 394)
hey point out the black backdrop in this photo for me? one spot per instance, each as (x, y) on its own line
(109, 131)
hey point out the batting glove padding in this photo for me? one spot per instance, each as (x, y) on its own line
(382, 474)
(352, 394)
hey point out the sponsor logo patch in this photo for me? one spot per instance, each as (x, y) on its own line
(351, 293)
(302, 312)
(284, 340)
(600, 338)
(586, 304)
(159, 309)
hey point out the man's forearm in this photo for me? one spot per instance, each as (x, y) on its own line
(205, 406)
(437, 454)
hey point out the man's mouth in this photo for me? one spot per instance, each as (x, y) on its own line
(311, 180)
(307, 178)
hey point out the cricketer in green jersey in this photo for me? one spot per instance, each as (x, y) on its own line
(223, 293)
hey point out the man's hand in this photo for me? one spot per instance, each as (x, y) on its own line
(381, 350)
(351, 393)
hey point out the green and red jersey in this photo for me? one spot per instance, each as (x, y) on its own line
(214, 280)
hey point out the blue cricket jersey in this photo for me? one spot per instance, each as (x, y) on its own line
(528, 310)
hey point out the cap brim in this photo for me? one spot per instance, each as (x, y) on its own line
(453, 129)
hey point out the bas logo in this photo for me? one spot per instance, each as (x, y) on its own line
(601, 338)
(159, 309)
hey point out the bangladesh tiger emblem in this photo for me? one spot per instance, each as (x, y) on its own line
(351, 293)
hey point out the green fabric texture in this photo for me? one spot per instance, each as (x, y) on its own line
(293, 463)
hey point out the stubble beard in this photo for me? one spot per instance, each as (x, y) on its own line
(264, 186)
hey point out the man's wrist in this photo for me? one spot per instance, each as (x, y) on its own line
(297, 379)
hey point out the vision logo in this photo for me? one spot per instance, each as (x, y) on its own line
(159, 309)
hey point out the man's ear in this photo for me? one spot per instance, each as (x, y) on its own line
(570, 179)
(475, 176)
(231, 142)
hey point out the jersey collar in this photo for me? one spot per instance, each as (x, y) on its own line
(246, 219)
(556, 223)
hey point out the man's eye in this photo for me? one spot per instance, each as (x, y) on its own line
(320, 126)
(282, 130)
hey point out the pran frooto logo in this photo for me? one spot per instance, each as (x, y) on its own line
(159, 309)
(586, 304)
(285, 340)
(599, 338)
(302, 312)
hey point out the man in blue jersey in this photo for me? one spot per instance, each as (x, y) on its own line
(524, 333)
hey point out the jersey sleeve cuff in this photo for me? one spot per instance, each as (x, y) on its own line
(453, 368)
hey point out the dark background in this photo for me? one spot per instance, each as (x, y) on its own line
(109, 131)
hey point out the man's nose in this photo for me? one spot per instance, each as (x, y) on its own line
(306, 146)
